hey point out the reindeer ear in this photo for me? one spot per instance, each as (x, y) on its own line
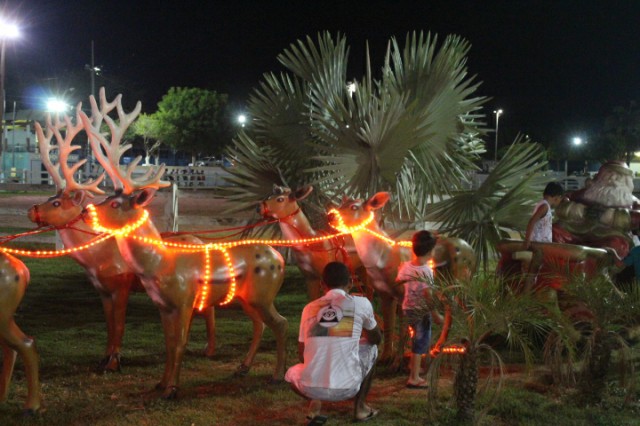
(301, 193)
(378, 200)
(144, 197)
(78, 197)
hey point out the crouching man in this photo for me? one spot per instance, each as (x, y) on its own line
(337, 347)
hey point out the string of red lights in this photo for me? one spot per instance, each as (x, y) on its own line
(206, 249)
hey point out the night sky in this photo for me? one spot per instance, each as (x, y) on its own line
(557, 68)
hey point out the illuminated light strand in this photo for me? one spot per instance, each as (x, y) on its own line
(55, 253)
(453, 349)
(232, 288)
(124, 231)
(203, 292)
(223, 247)
(344, 229)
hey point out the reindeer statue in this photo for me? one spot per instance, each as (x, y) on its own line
(381, 258)
(106, 269)
(14, 278)
(178, 280)
(282, 205)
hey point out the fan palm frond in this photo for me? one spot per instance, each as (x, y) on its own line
(502, 201)
(415, 131)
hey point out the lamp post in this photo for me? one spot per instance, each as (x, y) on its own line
(497, 113)
(7, 31)
(94, 70)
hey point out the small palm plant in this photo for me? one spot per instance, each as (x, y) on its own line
(484, 311)
(612, 314)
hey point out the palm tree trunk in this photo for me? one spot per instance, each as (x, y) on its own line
(594, 378)
(465, 385)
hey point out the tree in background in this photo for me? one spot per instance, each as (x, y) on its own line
(193, 120)
(148, 128)
(620, 136)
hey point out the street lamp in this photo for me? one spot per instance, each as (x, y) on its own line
(57, 105)
(497, 113)
(577, 141)
(242, 120)
(7, 31)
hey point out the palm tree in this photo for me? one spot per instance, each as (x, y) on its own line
(612, 313)
(503, 201)
(413, 131)
(483, 311)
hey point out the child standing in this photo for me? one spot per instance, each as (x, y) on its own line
(539, 227)
(417, 278)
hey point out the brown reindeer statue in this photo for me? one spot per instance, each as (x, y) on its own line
(106, 269)
(177, 279)
(14, 278)
(311, 258)
(381, 258)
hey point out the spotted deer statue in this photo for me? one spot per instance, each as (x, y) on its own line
(107, 271)
(381, 258)
(311, 258)
(14, 278)
(181, 279)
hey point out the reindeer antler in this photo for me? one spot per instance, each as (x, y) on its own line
(109, 153)
(66, 182)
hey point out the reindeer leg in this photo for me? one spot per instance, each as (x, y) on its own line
(25, 346)
(120, 299)
(169, 342)
(278, 324)
(107, 307)
(210, 322)
(8, 362)
(398, 358)
(389, 305)
(180, 321)
(258, 329)
(208, 314)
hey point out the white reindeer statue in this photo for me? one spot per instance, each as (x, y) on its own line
(14, 278)
(106, 269)
(181, 279)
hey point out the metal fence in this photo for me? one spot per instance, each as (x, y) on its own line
(183, 177)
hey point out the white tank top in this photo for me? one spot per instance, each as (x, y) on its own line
(542, 228)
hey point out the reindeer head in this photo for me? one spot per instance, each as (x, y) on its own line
(355, 212)
(66, 205)
(282, 202)
(131, 193)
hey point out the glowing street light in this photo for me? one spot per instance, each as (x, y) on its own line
(242, 120)
(8, 31)
(577, 141)
(498, 113)
(57, 105)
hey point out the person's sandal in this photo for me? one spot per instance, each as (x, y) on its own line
(317, 420)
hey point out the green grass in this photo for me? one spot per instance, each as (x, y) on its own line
(64, 314)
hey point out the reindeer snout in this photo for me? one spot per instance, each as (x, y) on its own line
(32, 214)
